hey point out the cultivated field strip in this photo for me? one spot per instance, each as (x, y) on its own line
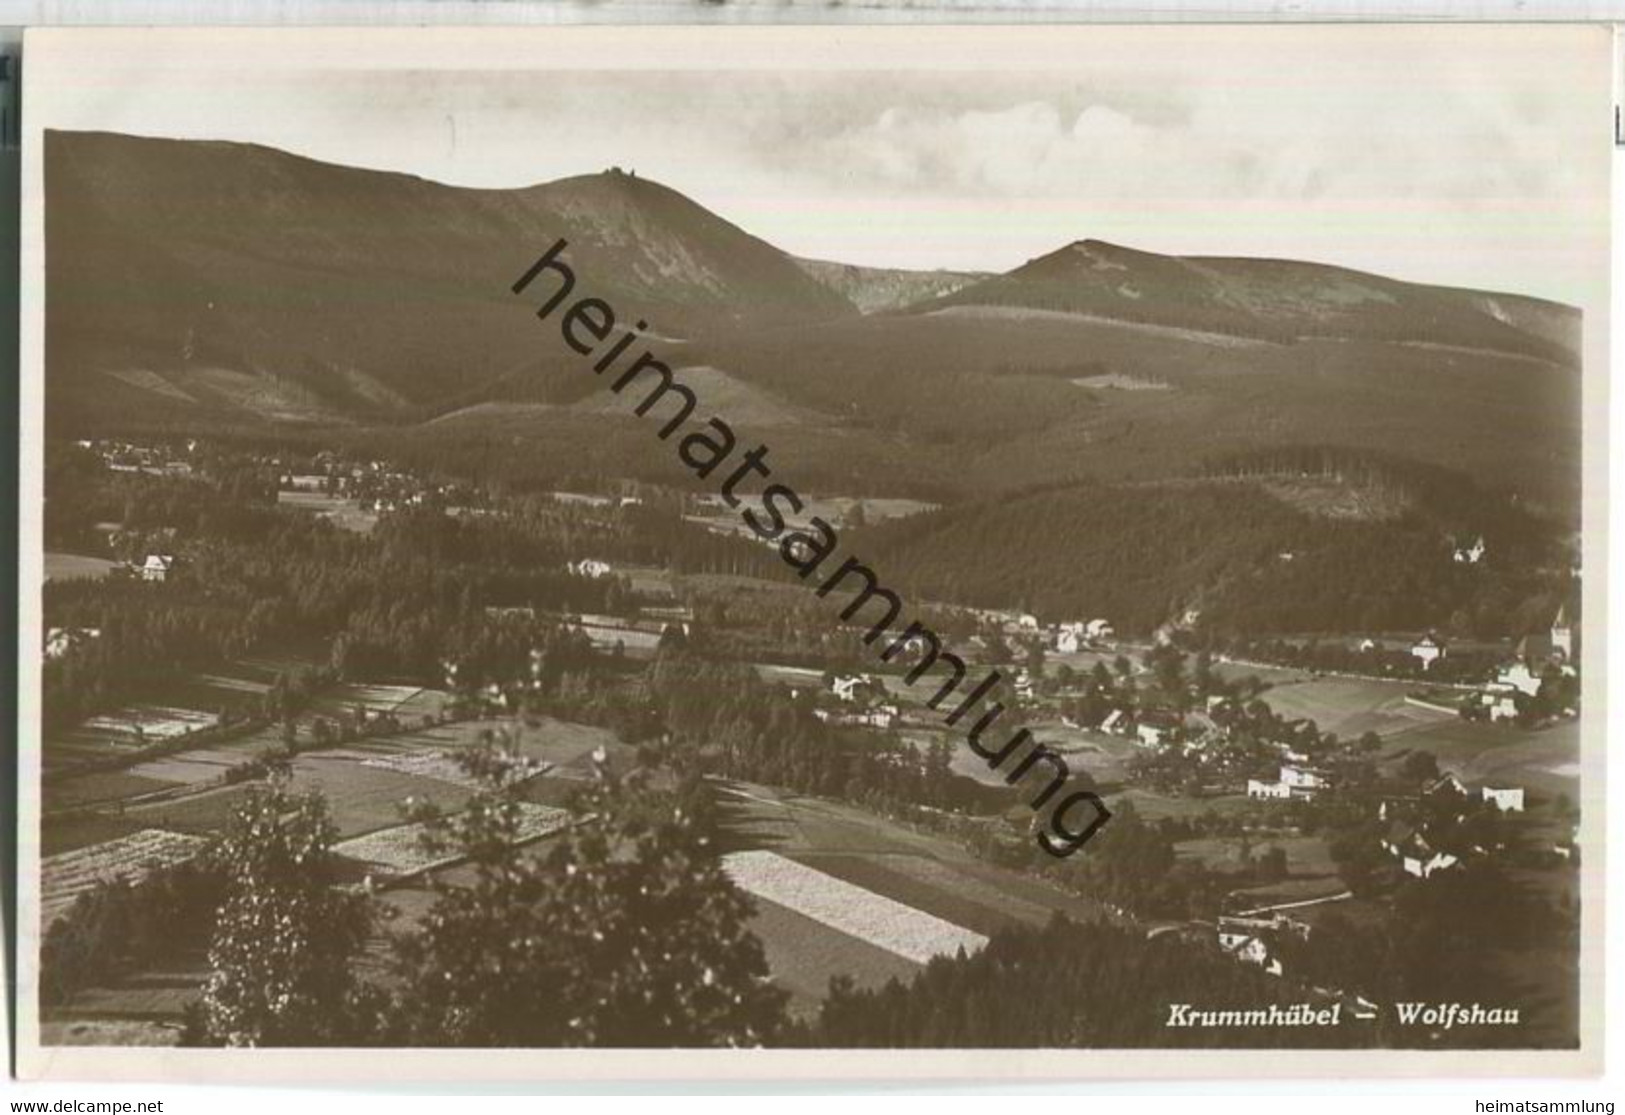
(155, 722)
(887, 924)
(874, 873)
(375, 698)
(65, 876)
(423, 764)
(399, 851)
(193, 768)
(803, 954)
(964, 883)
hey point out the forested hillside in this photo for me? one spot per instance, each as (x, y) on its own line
(201, 287)
(1259, 545)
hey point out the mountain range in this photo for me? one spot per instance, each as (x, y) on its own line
(200, 285)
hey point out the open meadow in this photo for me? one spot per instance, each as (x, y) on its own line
(169, 709)
(792, 853)
(340, 511)
(1543, 759)
(70, 567)
(1351, 707)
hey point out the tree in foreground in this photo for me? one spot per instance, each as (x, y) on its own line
(286, 936)
(626, 933)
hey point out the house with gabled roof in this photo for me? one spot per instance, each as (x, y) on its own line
(157, 567)
(1428, 649)
(1416, 854)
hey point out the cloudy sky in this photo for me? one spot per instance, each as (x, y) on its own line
(1465, 155)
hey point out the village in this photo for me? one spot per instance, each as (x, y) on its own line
(1210, 741)
(1292, 800)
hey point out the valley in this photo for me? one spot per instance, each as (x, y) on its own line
(1280, 558)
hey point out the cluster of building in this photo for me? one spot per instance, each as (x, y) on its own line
(1067, 637)
(374, 485)
(591, 568)
(1256, 937)
(1427, 831)
(1296, 780)
(1538, 657)
(1531, 659)
(862, 700)
(154, 460)
(1070, 638)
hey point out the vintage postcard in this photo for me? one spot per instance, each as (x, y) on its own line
(727, 552)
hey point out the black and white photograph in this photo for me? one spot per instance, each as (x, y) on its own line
(815, 539)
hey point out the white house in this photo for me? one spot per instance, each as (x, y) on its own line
(157, 567)
(1303, 778)
(1255, 951)
(1518, 676)
(1416, 855)
(1151, 735)
(1247, 938)
(1471, 555)
(1276, 791)
(881, 716)
(1423, 868)
(1070, 638)
(1428, 650)
(847, 688)
(1295, 781)
(60, 640)
(1073, 637)
(1509, 800)
(1113, 721)
(1027, 621)
(589, 567)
